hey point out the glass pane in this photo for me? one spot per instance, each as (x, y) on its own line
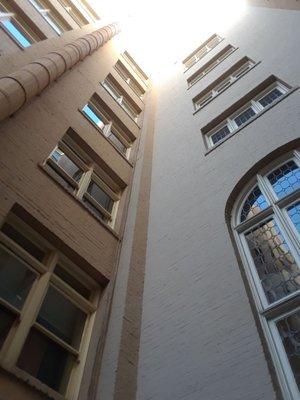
(285, 179)
(66, 164)
(244, 116)
(289, 330)
(16, 33)
(46, 360)
(61, 317)
(6, 320)
(73, 282)
(254, 203)
(294, 213)
(220, 134)
(96, 118)
(270, 97)
(111, 89)
(113, 138)
(15, 279)
(94, 209)
(100, 196)
(23, 242)
(275, 265)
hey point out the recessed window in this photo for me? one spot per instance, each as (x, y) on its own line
(209, 66)
(121, 98)
(266, 225)
(129, 79)
(246, 113)
(220, 85)
(80, 177)
(50, 16)
(55, 322)
(135, 67)
(202, 51)
(77, 11)
(107, 128)
(15, 26)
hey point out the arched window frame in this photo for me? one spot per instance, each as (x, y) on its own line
(270, 314)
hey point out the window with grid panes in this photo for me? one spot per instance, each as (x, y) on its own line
(46, 304)
(266, 225)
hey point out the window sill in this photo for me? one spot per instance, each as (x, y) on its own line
(133, 120)
(33, 382)
(109, 141)
(187, 69)
(52, 175)
(217, 95)
(208, 151)
(202, 77)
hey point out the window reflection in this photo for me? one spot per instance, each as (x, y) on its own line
(275, 265)
(285, 179)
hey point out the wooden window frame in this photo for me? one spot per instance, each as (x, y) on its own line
(26, 320)
(109, 125)
(89, 173)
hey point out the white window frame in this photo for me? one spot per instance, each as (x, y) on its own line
(48, 16)
(270, 314)
(121, 99)
(212, 65)
(129, 80)
(45, 271)
(205, 49)
(230, 79)
(6, 15)
(256, 107)
(109, 125)
(90, 172)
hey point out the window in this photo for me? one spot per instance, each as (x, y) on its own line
(267, 229)
(220, 85)
(121, 99)
(46, 305)
(134, 66)
(129, 80)
(16, 27)
(77, 11)
(49, 16)
(215, 61)
(202, 51)
(107, 128)
(84, 180)
(246, 113)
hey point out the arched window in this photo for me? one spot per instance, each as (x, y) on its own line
(266, 224)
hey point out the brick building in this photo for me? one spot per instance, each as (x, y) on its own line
(149, 243)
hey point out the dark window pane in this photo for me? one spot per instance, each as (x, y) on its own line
(244, 116)
(60, 316)
(15, 279)
(94, 210)
(294, 213)
(254, 203)
(73, 282)
(100, 196)
(6, 320)
(285, 179)
(23, 242)
(289, 330)
(270, 97)
(66, 164)
(47, 361)
(220, 134)
(113, 138)
(275, 265)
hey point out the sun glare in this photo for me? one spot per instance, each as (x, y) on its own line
(160, 33)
